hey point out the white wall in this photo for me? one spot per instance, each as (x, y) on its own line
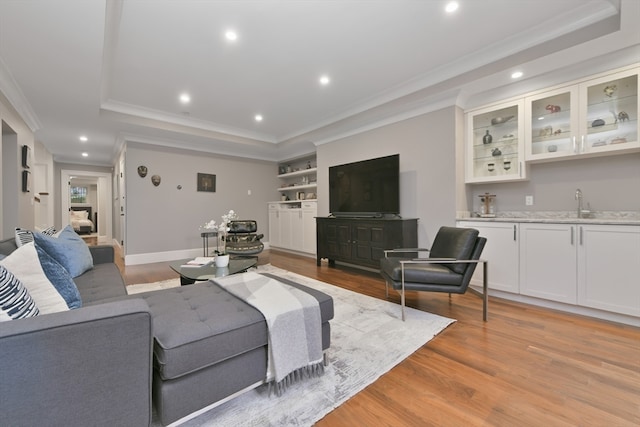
(15, 133)
(427, 148)
(609, 183)
(165, 218)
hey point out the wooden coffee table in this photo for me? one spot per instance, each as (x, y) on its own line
(190, 274)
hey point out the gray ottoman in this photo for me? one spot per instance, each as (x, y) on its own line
(210, 345)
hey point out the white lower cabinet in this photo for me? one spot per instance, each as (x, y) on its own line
(294, 227)
(586, 265)
(274, 224)
(608, 257)
(548, 261)
(501, 253)
(309, 213)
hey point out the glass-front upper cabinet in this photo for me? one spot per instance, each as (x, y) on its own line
(494, 143)
(610, 118)
(552, 124)
(595, 117)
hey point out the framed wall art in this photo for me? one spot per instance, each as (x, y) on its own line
(26, 156)
(206, 182)
(26, 181)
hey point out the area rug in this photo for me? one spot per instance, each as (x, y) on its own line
(368, 338)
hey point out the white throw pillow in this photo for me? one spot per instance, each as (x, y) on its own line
(24, 264)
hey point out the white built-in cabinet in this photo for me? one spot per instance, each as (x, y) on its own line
(292, 226)
(588, 265)
(501, 253)
(495, 137)
(593, 116)
(548, 261)
(292, 222)
(608, 257)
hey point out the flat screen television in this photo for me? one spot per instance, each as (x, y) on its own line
(365, 188)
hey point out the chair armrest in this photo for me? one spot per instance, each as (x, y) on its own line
(441, 261)
(87, 366)
(102, 254)
(403, 250)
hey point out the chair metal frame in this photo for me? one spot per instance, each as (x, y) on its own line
(485, 291)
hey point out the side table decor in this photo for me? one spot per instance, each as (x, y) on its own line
(222, 258)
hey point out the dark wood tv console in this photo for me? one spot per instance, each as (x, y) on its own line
(362, 241)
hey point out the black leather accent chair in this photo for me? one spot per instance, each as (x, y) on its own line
(242, 239)
(452, 260)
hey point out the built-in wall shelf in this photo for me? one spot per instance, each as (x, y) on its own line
(301, 172)
(298, 187)
(298, 179)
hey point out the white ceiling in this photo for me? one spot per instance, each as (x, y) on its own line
(113, 70)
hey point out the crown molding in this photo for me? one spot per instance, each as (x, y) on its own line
(9, 87)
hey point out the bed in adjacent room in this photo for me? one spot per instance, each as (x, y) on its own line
(80, 218)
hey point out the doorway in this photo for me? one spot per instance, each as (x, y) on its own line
(100, 201)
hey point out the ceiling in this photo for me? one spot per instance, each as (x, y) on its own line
(114, 70)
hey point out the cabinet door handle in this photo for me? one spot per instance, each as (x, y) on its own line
(581, 238)
(514, 232)
(582, 144)
(575, 147)
(572, 231)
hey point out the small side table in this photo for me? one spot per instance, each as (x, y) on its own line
(205, 241)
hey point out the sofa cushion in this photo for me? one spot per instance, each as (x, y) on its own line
(23, 236)
(200, 325)
(60, 278)
(7, 246)
(100, 283)
(68, 249)
(25, 265)
(15, 301)
(451, 242)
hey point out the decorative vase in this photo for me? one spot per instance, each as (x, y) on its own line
(487, 138)
(222, 260)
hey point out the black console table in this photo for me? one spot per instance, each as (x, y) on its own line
(362, 241)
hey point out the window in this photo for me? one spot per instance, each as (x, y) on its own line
(78, 194)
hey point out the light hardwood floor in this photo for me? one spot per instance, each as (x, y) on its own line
(526, 366)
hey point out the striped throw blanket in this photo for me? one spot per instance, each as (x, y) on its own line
(294, 326)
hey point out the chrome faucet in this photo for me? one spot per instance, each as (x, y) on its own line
(579, 199)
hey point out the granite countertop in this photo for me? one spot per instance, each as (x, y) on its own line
(559, 217)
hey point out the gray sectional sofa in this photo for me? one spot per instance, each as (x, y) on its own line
(104, 363)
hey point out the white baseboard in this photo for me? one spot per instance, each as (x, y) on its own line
(149, 258)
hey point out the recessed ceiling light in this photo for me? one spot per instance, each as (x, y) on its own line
(85, 154)
(83, 138)
(516, 74)
(185, 98)
(325, 80)
(451, 7)
(231, 35)
(258, 117)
